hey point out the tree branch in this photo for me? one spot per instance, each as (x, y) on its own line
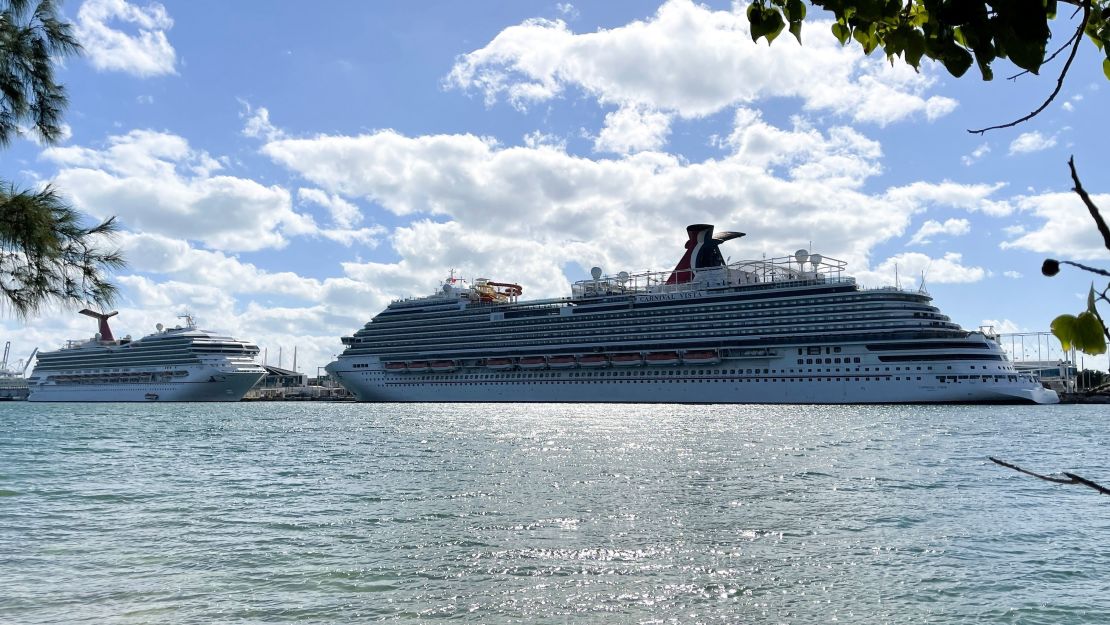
(1076, 39)
(1099, 221)
(1070, 479)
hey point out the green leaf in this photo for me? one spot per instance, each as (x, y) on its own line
(1091, 299)
(956, 60)
(1063, 328)
(796, 30)
(915, 47)
(773, 25)
(1106, 67)
(1088, 334)
(755, 21)
(841, 32)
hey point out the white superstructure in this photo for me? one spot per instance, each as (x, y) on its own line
(784, 330)
(182, 363)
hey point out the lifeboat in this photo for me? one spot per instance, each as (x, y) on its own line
(594, 360)
(499, 364)
(418, 366)
(562, 362)
(533, 362)
(627, 360)
(442, 366)
(707, 357)
(662, 358)
(395, 366)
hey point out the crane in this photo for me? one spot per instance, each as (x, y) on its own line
(7, 348)
(29, 359)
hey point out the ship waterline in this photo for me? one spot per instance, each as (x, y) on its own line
(783, 330)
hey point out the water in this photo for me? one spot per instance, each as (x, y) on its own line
(326, 513)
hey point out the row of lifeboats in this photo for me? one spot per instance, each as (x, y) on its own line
(589, 361)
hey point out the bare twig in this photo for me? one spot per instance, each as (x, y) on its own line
(1076, 39)
(1099, 221)
(1046, 61)
(1070, 479)
(1101, 272)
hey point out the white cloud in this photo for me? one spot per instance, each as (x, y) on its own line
(632, 129)
(567, 9)
(258, 124)
(1028, 142)
(1002, 326)
(692, 61)
(1012, 274)
(909, 267)
(950, 227)
(970, 197)
(1068, 230)
(976, 154)
(536, 139)
(343, 213)
(525, 213)
(145, 53)
(155, 182)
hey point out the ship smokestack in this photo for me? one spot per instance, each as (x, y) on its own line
(701, 252)
(105, 331)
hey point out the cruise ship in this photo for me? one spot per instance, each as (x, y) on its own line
(182, 363)
(793, 329)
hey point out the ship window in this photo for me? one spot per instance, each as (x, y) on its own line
(856, 359)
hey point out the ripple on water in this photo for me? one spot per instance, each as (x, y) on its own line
(325, 513)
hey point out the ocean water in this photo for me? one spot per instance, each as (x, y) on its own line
(347, 513)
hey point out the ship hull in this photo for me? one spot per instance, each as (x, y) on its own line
(692, 385)
(201, 386)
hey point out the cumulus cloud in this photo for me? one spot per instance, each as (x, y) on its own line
(970, 197)
(909, 268)
(1067, 228)
(258, 125)
(343, 213)
(931, 228)
(526, 213)
(976, 155)
(156, 182)
(1012, 274)
(631, 129)
(1001, 326)
(1028, 142)
(692, 61)
(144, 53)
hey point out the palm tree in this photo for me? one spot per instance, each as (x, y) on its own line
(46, 254)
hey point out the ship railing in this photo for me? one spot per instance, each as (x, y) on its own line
(780, 271)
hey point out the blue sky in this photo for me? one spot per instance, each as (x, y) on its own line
(285, 172)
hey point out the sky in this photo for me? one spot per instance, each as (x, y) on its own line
(284, 172)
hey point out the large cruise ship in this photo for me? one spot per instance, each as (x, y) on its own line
(182, 363)
(783, 330)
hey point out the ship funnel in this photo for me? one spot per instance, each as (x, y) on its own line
(701, 252)
(105, 332)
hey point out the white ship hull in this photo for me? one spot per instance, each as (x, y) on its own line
(202, 384)
(695, 385)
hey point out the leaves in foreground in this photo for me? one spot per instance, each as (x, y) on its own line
(48, 256)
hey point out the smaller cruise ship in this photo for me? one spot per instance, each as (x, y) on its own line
(182, 363)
